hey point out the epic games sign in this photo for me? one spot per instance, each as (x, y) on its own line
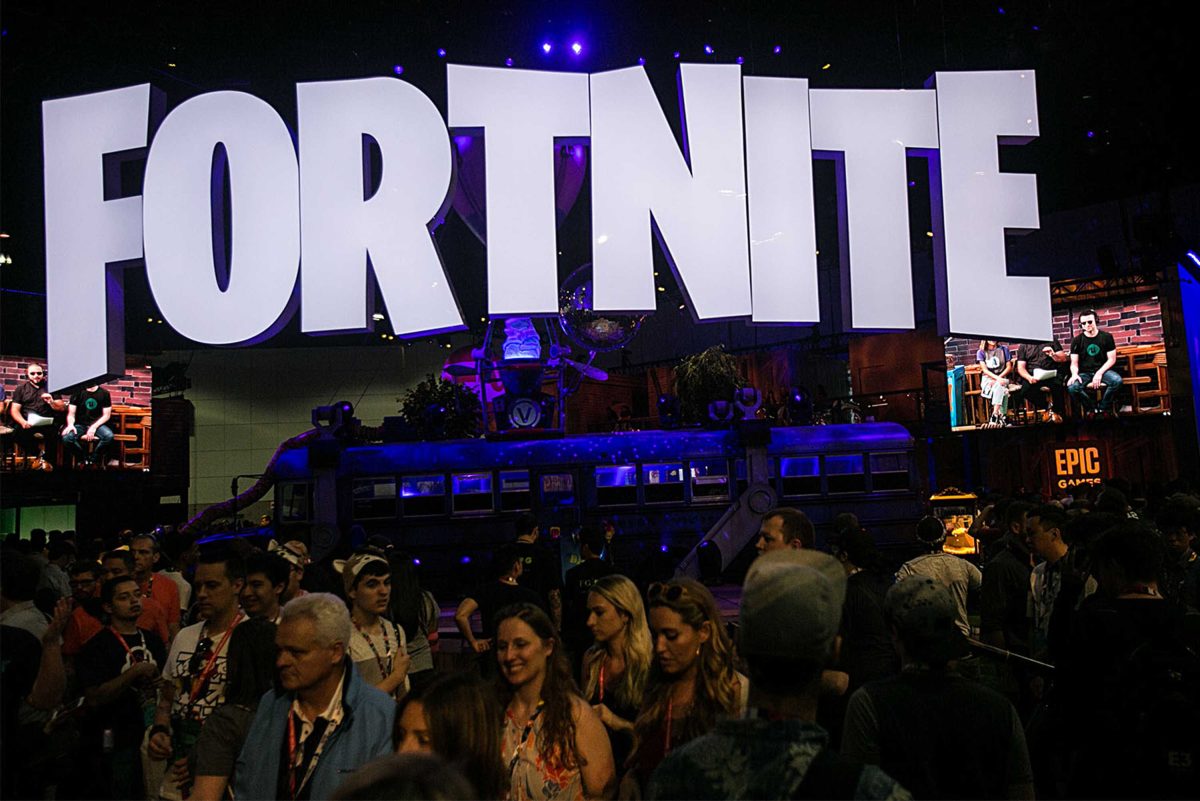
(734, 210)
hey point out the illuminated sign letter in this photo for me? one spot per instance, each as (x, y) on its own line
(202, 297)
(874, 130)
(779, 179)
(343, 227)
(975, 109)
(700, 213)
(87, 237)
(520, 112)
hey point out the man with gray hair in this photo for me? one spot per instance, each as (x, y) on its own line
(325, 722)
(791, 607)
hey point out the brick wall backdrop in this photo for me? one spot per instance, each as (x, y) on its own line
(1136, 322)
(132, 389)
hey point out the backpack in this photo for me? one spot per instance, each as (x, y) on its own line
(1159, 714)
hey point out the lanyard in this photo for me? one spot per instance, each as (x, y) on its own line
(670, 717)
(601, 699)
(384, 666)
(211, 665)
(121, 639)
(528, 730)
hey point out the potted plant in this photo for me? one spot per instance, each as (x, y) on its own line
(704, 377)
(437, 409)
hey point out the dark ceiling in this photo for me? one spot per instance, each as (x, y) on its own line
(1115, 83)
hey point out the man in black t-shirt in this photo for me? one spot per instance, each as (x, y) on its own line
(579, 583)
(32, 410)
(87, 414)
(492, 596)
(541, 569)
(118, 670)
(1093, 356)
(1038, 368)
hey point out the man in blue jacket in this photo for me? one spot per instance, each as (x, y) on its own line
(325, 723)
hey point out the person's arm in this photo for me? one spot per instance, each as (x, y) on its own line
(105, 416)
(17, 416)
(860, 731)
(1074, 368)
(981, 360)
(51, 680)
(1023, 371)
(70, 426)
(159, 744)
(209, 788)
(1008, 365)
(400, 662)
(594, 752)
(462, 619)
(106, 693)
(57, 404)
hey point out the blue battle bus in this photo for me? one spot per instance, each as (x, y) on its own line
(451, 503)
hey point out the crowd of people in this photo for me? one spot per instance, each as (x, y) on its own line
(1060, 664)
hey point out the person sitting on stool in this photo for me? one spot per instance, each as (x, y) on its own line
(87, 414)
(1093, 356)
(33, 407)
(1037, 365)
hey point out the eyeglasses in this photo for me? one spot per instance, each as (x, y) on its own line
(33, 374)
(670, 592)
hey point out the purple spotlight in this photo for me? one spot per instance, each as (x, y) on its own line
(1000, 10)
(466, 560)
(1091, 134)
(662, 548)
(508, 61)
(441, 52)
(576, 48)
(462, 142)
(708, 50)
(778, 49)
(911, 184)
(739, 60)
(416, 562)
(547, 47)
(399, 70)
(641, 61)
(1037, 28)
(676, 54)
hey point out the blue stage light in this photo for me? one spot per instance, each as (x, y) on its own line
(708, 50)
(441, 52)
(547, 47)
(576, 48)
(399, 70)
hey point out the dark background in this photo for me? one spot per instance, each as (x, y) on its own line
(1116, 91)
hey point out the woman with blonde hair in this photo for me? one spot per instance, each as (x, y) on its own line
(617, 666)
(692, 678)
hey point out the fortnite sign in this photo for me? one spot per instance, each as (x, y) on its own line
(734, 210)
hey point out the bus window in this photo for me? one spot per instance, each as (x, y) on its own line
(889, 471)
(514, 491)
(710, 480)
(616, 485)
(373, 498)
(844, 473)
(739, 472)
(472, 492)
(423, 495)
(558, 489)
(295, 502)
(801, 475)
(663, 483)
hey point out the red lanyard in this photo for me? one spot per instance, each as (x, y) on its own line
(601, 699)
(384, 667)
(121, 640)
(670, 715)
(211, 665)
(292, 754)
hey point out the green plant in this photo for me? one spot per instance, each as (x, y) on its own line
(703, 378)
(437, 409)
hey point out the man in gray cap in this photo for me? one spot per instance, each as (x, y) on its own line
(941, 735)
(791, 608)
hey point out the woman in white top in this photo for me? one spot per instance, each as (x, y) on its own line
(377, 645)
